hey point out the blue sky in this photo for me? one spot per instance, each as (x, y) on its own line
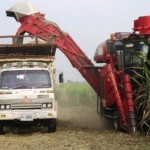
(89, 22)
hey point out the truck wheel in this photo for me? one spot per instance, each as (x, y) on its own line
(52, 125)
(1, 128)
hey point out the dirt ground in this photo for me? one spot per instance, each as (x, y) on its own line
(79, 128)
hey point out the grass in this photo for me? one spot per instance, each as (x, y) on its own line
(75, 93)
(142, 98)
(141, 79)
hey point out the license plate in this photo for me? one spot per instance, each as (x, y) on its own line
(26, 117)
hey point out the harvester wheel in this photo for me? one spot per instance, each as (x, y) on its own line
(116, 121)
(52, 125)
(116, 124)
(99, 111)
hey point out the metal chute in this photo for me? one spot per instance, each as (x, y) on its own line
(22, 9)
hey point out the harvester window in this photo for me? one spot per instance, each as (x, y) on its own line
(132, 56)
(110, 46)
(120, 64)
(132, 59)
(99, 50)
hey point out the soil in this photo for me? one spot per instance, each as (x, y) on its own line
(79, 128)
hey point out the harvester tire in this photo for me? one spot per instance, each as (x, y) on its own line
(116, 124)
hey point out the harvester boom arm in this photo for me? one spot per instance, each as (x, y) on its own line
(48, 31)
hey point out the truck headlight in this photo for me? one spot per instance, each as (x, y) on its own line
(5, 106)
(8, 106)
(47, 105)
(44, 105)
(2, 106)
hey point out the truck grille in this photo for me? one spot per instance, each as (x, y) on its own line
(25, 106)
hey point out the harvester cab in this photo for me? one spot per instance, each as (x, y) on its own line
(124, 55)
(129, 52)
(122, 50)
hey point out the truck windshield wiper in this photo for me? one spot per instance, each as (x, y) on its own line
(41, 85)
(21, 86)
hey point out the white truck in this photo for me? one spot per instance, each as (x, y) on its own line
(27, 80)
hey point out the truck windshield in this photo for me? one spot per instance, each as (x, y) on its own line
(25, 79)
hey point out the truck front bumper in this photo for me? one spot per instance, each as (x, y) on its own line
(28, 115)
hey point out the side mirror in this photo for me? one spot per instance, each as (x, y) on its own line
(61, 78)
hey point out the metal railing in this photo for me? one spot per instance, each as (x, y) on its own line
(21, 40)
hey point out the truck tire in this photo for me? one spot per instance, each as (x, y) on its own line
(52, 125)
(1, 128)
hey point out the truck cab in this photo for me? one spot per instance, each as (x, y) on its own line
(27, 84)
